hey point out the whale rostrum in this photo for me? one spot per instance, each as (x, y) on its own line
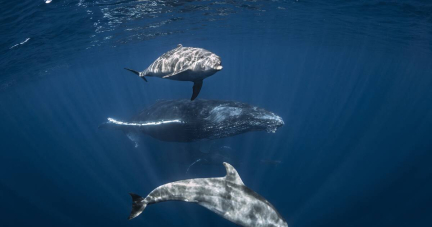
(226, 196)
(184, 64)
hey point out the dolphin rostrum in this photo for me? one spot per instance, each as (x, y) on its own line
(184, 64)
(226, 196)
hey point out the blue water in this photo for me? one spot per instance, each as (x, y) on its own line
(351, 79)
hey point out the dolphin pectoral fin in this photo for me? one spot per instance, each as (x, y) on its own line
(140, 74)
(196, 89)
(232, 175)
(138, 205)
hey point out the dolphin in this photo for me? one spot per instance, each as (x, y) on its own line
(184, 64)
(226, 196)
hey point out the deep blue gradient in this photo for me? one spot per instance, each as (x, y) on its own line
(351, 79)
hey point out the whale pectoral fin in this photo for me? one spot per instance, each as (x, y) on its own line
(134, 137)
(232, 175)
(196, 89)
(193, 163)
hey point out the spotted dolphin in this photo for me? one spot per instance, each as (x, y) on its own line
(226, 196)
(184, 64)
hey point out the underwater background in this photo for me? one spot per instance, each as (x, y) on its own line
(352, 81)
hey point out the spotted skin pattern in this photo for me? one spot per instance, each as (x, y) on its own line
(226, 196)
(184, 64)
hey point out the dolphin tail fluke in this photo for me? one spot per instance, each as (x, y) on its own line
(138, 205)
(140, 74)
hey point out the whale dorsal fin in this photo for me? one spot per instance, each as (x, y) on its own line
(232, 175)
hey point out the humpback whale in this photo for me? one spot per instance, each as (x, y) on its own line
(184, 64)
(186, 121)
(226, 196)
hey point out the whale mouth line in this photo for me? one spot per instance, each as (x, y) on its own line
(111, 120)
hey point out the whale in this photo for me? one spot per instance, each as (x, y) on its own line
(185, 121)
(184, 64)
(226, 196)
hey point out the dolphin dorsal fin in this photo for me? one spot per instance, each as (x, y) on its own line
(232, 175)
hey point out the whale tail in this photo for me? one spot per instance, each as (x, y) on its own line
(138, 205)
(140, 74)
(110, 124)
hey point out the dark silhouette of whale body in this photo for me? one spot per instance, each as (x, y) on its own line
(186, 121)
